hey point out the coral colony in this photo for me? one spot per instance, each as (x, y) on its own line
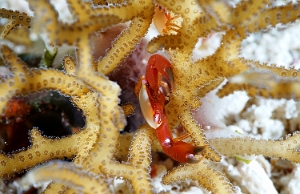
(89, 159)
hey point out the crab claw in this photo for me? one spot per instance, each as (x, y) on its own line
(199, 149)
(191, 157)
(147, 108)
(180, 150)
(159, 64)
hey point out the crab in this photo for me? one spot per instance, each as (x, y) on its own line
(152, 102)
(164, 22)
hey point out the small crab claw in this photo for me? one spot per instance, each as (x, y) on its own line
(158, 63)
(191, 157)
(146, 108)
(183, 152)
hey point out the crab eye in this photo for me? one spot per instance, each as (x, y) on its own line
(146, 108)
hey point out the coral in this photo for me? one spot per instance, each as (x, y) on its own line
(15, 19)
(98, 151)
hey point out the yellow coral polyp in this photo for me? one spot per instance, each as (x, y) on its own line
(94, 150)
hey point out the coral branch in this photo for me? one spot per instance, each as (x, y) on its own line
(15, 19)
(48, 22)
(127, 40)
(140, 156)
(67, 174)
(272, 17)
(189, 10)
(42, 150)
(93, 149)
(198, 136)
(274, 86)
(26, 81)
(203, 173)
(286, 149)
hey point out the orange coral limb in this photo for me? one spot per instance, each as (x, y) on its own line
(203, 173)
(129, 38)
(278, 82)
(185, 41)
(69, 65)
(25, 81)
(188, 78)
(263, 83)
(195, 79)
(93, 20)
(208, 72)
(15, 19)
(67, 174)
(195, 24)
(54, 188)
(127, 41)
(198, 136)
(285, 149)
(220, 10)
(264, 16)
(19, 36)
(135, 170)
(139, 157)
(224, 63)
(99, 2)
(84, 26)
(42, 149)
(190, 11)
(111, 120)
(105, 119)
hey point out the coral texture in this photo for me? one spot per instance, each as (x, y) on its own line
(97, 151)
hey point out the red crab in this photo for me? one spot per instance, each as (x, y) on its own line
(153, 100)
